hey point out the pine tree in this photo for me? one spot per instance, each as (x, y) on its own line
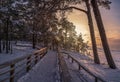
(92, 33)
(102, 34)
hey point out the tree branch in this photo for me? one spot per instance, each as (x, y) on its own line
(72, 7)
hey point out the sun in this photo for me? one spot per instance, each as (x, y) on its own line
(81, 28)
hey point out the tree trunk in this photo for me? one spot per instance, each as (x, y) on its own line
(92, 33)
(33, 40)
(102, 34)
(0, 41)
(3, 43)
(9, 43)
(0, 44)
(6, 35)
(11, 38)
(33, 36)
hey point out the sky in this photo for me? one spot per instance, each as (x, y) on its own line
(111, 20)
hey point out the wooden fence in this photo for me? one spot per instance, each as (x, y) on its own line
(81, 66)
(9, 68)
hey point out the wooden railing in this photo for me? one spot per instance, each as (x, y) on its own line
(81, 66)
(10, 69)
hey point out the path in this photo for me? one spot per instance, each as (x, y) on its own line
(44, 71)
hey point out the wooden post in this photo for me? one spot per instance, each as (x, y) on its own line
(41, 55)
(72, 60)
(36, 58)
(79, 67)
(12, 73)
(28, 64)
(96, 80)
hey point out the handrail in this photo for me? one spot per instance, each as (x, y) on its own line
(86, 69)
(13, 64)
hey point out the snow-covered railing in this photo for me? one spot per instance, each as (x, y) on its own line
(81, 66)
(10, 69)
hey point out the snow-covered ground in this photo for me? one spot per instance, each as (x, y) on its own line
(76, 75)
(115, 55)
(110, 75)
(44, 71)
(26, 44)
(18, 51)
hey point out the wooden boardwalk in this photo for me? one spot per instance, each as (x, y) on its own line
(44, 71)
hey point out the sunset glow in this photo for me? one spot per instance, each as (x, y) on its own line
(80, 21)
(81, 29)
(110, 20)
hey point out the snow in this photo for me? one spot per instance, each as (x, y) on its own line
(44, 71)
(110, 75)
(19, 2)
(47, 69)
(3, 9)
(115, 55)
(18, 51)
(24, 44)
(74, 73)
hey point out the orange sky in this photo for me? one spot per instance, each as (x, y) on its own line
(111, 23)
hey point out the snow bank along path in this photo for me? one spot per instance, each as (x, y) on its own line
(44, 71)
